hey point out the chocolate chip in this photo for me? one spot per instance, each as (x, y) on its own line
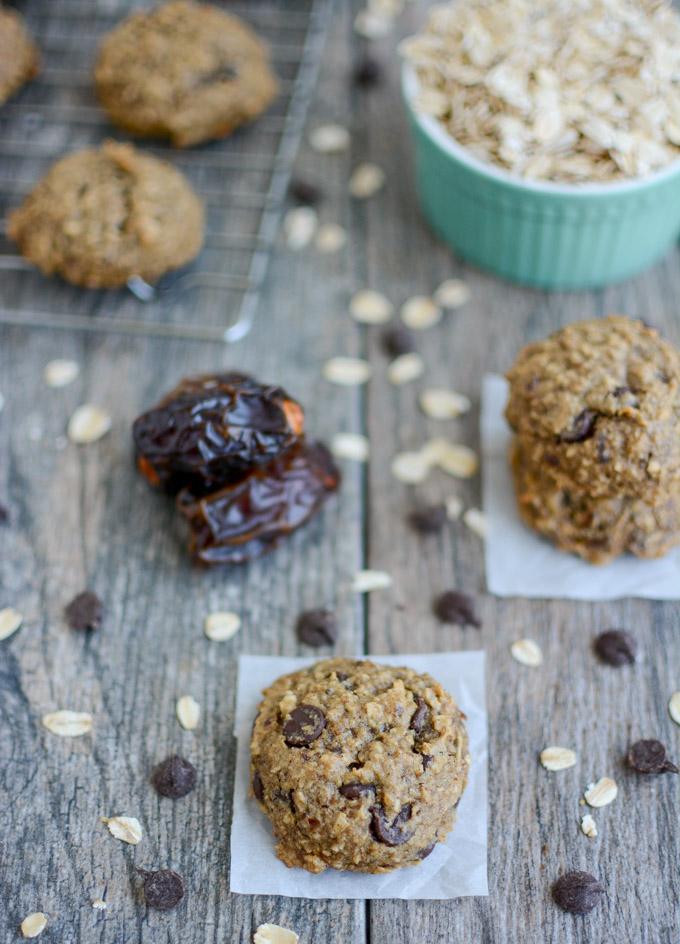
(396, 341)
(456, 607)
(4, 515)
(174, 777)
(427, 760)
(258, 787)
(649, 757)
(390, 834)
(616, 647)
(581, 429)
(341, 676)
(85, 611)
(303, 727)
(577, 892)
(162, 889)
(302, 191)
(428, 519)
(317, 628)
(424, 853)
(367, 73)
(353, 791)
(421, 715)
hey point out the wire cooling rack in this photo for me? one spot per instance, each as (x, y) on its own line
(242, 180)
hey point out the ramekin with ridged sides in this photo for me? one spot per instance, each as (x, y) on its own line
(555, 236)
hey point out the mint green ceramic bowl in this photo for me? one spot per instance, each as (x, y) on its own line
(557, 236)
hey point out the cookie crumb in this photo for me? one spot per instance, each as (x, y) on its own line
(588, 826)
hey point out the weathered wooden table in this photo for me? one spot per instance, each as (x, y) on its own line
(82, 517)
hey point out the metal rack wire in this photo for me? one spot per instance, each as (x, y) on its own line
(242, 180)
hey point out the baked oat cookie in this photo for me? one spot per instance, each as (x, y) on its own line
(597, 529)
(19, 60)
(184, 71)
(599, 403)
(358, 766)
(102, 215)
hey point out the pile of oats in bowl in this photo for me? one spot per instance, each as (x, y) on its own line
(561, 90)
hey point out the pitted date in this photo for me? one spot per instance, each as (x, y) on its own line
(212, 429)
(246, 519)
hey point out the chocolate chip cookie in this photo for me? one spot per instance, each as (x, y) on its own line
(358, 766)
(184, 71)
(100, 216)
(597, 529)
(599, 404)
(19, 60)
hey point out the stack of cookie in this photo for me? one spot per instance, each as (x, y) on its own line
(234, 452)
(596, 456)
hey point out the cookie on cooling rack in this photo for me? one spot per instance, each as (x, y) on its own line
(184, 71)
(101, 216)
(19, 60)
(358, 766)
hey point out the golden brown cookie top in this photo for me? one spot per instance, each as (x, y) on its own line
(100, 216)
(359, 766)
(599, 401)
(184, 70)
(18, 54)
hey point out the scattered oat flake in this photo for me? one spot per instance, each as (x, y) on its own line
(347, 371)
(372, 25)
(188, 712)
(299, 226)
(557, 758)
(352, 446)
(10, 621)
(674, 707)
(88, 424)
(99, 904)
(588, 826)
(453, 458)
(476, 522)
(274, 934)
(601, 793)
(527, 652)
(405, 368)
(367, 580)
(34, 924)
(453, 293)
(441, 404)
(329, 139)
(67, 723)
(221, 625)
(126, 828)
(454, 507)
(330, 237)
(366, 181)
(420, 312)
(370, 307)
(60, 373)
(410, 467)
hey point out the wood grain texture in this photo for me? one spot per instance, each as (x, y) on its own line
(81, 517)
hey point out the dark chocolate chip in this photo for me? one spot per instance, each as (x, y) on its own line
(396, 341)
(341, 676)
(581, 429)
(429, 519)
(367, 73)
(424, 853)
(421, 715)
(317, 628)
(577, 892)
(353, 791)
(258, 787)
(302, 191)
(456, 607)
(163, 889)
(390, 834)
(85, 611)
(619, 391)
(174, 777)
(303, 727)
(427, 760)
(649, 757)
(616, 647)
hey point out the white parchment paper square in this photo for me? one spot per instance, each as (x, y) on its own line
(457, 867)
(520, 563)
